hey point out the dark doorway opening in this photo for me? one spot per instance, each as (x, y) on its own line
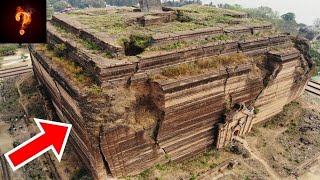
(236, 133)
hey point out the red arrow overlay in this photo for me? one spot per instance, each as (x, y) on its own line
(53, 136)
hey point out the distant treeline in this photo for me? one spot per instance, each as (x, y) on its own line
(59, 5)
(285, 23)
(180, 3)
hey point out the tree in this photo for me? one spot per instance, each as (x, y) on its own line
(60, 5)
(233, 7)
(263, 13)
(316, 58)
(316, 23)
(181, 3)
(289, 17)
(88, 3)
(122, 2)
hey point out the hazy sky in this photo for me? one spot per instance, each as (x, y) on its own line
(305, 10)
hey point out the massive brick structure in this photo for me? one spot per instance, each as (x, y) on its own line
(142, 89)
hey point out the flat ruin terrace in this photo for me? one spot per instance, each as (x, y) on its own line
(143, 88)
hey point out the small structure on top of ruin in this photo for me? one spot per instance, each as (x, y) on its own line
(150, 5)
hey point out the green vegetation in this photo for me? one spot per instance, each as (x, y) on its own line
(175, 45)
(90, 45)
(191, 43)
(23, 57)
(87, 3)
(140, 40)
(172, 3)
(289, 17)
(81, 174)
(190, 169)
(285, 23)
(200, 66)
(316, 57)
(286, 118)
(73, 71)
(60, 50)
(191, 17)
(8, 49)
(210, 16)
(60, 5)
(136, 44)
(122, 2)
(181, 17)
(94, 90)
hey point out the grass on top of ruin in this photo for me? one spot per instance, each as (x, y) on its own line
(190, 43)
(91, 46)
(202, 66)
(73, 71)
(117, 23)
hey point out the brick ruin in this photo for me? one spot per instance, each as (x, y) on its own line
(170, 96)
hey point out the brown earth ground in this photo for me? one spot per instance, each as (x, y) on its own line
(19, 104)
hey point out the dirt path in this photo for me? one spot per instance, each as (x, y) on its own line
(253, 154)
(17, 85)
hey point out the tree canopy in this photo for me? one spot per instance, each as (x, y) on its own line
(60, 5)
(180, 3)
(289, 17)
(122, 2)
(285, 23)
(87, 3)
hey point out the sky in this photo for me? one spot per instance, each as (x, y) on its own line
(306, 10)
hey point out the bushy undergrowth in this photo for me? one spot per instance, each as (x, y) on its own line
(9, 49)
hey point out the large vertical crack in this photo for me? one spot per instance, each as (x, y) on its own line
(226, 80)
(273, 71)
(104, 159)
(156, 133)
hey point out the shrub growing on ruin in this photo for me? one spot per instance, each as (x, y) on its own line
(23, 57)
(50, 47)
(94, 90)
(181, 17)
(140, 40)
(72, 70)
(90, 45)
(136, 44)
(60, 50)
(6, 50)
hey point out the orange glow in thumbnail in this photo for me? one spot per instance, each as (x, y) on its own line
(24, 17)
